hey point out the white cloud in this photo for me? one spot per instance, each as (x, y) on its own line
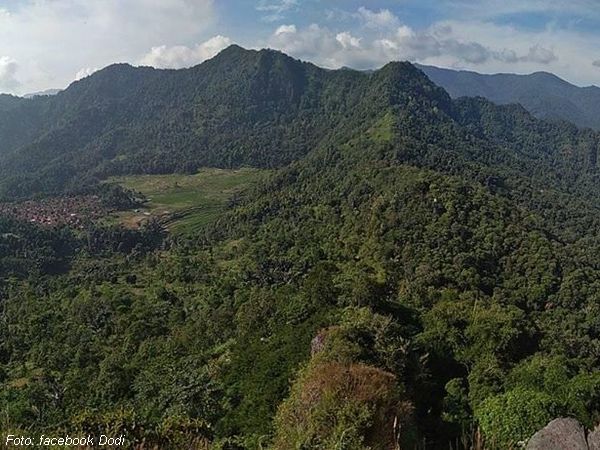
(286, 29)
(315, 43)
(8, 71)
(540, 55)
(179, 56)
(275, 10)
(405, 32)
(383, 18)
(565, 52)
(55, 38)
(325, 47)
(347, 40)
(466, 44)
(85, 72)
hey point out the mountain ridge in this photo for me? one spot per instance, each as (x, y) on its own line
(259, 108)
(200, 105)
(544, 94)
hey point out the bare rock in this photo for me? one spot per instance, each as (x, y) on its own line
(593, 439)
(318, 343)
(560, 434)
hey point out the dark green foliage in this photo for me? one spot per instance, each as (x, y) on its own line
(511, 418)
(260, 109)
(26, 249)
(8, 102)
(115, 196)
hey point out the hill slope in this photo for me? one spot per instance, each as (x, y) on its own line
(543, 94)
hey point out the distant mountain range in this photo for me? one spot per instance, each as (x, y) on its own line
(543, 94)
(42, 93)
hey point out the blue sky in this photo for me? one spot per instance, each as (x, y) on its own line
(50, 43)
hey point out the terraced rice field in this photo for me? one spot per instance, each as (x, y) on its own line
(185, 203)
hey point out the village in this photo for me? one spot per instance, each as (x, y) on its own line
(73, 211)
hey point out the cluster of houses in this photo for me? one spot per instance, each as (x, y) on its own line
(56, 211)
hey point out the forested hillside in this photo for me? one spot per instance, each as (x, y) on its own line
(543, 94)
(241, 108)
(417, 270)
(8, 102)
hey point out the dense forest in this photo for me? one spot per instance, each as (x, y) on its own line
(417, 272)
(260, 109)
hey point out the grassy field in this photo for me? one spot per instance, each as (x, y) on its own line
(184, 203)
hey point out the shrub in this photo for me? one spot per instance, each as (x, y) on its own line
(514, 416)
(342, 406)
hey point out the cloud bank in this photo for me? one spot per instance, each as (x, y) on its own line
(179, 56)
(384, 38)
(53, 39)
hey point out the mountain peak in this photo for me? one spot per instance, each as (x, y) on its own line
(550, 78)
(404, 70)
(118, 67)
(7, 96)
(233, 49)
(404, 78)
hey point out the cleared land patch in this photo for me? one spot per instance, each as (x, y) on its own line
(185, 203)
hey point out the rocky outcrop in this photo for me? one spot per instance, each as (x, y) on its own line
(564, 434)
(593, 439)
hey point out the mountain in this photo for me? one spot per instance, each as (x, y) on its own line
(240, 108)
(47, 92)
(543, 94)
(255, 108)
(414, 268)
